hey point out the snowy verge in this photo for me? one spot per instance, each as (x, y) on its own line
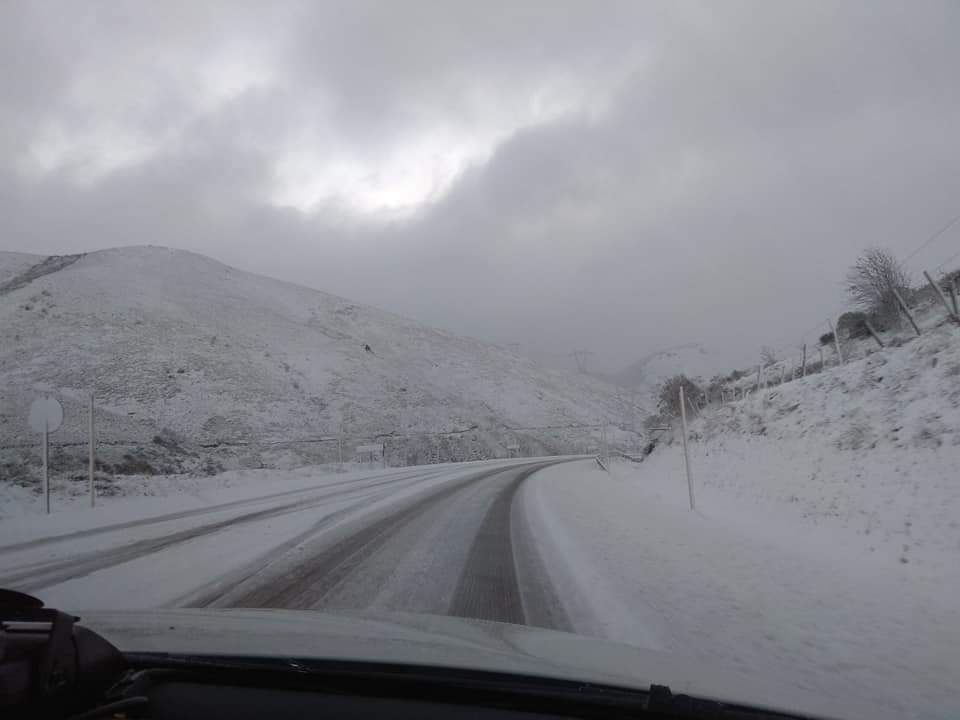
(749, 587)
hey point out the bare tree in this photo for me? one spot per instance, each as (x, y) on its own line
(872, 283)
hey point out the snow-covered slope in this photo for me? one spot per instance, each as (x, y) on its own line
(825, 546)
(170, 340)
(13, 264)
(648, 373)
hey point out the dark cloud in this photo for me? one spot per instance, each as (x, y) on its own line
(628, 176)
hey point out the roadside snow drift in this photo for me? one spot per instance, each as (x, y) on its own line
(825, 547)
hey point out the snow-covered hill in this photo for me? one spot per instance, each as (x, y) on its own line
(182, 352)
(825, 545)
(648, 373)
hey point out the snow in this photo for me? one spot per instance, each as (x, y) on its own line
(151, 496)
(13, 263)
(647, 374)
(825, 548)
(145, 497)
(306, 497)
(776, 602)
(173, 341)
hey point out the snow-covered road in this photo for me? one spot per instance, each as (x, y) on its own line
(441, 540)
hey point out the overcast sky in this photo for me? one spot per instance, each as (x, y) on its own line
(620, 176)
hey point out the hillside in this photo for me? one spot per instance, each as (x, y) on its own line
(825, 544)
(194, 362)
(649, 373)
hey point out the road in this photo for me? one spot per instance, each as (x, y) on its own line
(451, 540)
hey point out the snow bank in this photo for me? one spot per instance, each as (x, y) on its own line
(634, 565)
(825, 549)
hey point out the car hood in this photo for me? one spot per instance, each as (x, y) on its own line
(430, 640)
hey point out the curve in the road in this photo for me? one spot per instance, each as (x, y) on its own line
(488, 588)
(305, 585)
(486, 585)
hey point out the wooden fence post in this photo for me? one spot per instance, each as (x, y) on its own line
(943, 298)
(836, 342)
(803, 363)
(906, 310)
(873, 333)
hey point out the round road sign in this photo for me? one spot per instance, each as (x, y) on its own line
(46, 411)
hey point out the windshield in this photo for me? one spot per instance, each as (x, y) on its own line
(635, 322)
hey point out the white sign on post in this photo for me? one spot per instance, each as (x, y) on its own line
(46, 416)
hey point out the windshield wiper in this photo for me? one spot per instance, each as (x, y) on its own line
(448, 685)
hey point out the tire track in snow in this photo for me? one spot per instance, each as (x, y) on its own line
(307, 583)
(39, 575)
(489, 584)
(182, 514)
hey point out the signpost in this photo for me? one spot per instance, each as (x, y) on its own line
(46, 416)
(686, 453)
(92, 464)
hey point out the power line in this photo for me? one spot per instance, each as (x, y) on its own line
(909, 257)
(933, 237)
(949, 259)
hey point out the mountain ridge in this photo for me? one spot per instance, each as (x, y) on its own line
(178, 345)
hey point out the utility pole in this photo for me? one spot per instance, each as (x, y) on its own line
(46, 466)
(686, 452)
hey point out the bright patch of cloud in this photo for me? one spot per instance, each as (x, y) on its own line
(421, 165)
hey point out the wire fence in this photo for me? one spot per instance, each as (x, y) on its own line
(169, 453)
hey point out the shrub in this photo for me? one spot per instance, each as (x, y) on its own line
(853, 325)
(134, 464)
(872, 283)
(826, 338)
(655, 421)
(668, 400)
